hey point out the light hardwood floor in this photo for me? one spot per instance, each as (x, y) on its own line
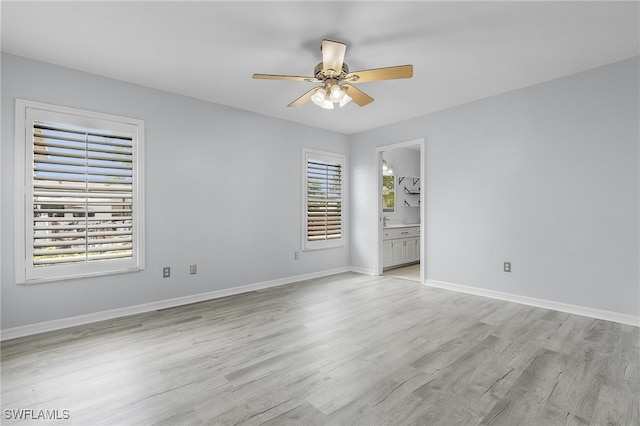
(348, 349)
(411, 272)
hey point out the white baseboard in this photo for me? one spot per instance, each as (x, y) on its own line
(540, 303)
(364, 271)
(41, 327)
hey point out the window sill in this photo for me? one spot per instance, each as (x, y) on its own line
(45, 280)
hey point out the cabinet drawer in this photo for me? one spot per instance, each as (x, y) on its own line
(392, 234)
(403, 232)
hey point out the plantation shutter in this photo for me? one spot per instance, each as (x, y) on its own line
(82, 193)
(324, 200)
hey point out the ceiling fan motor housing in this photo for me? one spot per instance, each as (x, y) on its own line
(320, 75)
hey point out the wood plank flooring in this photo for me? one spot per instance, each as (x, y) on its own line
(411, 272)
(348, 349)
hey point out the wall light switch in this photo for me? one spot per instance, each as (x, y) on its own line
(166, 272)
(193, 269)
(507, 266)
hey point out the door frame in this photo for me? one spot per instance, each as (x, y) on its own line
(377, 226)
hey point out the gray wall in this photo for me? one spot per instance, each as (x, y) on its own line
(546, 177)
(223, 190)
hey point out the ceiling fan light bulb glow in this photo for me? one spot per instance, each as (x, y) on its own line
(336, 93)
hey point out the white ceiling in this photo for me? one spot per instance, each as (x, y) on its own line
(461, 51)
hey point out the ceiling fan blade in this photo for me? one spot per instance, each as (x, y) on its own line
(389, 73)
(304, 98)
(284, 77)
(357, 95)
(332, 57)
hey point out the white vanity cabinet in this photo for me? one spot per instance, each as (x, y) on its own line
(393, 253)
(410, 250)
(400, 245)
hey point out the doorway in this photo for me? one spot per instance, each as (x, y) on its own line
(400, 207)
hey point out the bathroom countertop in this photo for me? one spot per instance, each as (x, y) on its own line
(401, 226)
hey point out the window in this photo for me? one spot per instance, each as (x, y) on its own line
(323, 213)
(80, 205)
(388, 194)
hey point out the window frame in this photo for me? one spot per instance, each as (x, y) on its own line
(25, 272)
(326, 157)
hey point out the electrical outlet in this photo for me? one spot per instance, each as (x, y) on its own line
(296, 255)
(507, 266)
(166, 272)
(193, 269)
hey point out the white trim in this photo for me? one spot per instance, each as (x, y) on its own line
(25, 273)
(329, 157)
(363, 271)
(378, 259)
(377, 230)
(540, 303)
(42, 327)
(405, 144)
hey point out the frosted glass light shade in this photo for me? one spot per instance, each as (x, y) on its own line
(345, 99)
(319, 97)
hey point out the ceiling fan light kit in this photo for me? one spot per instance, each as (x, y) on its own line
(328, 95)
(335, 88)
(321, 99)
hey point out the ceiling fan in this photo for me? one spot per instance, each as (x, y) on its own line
(337, 80)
